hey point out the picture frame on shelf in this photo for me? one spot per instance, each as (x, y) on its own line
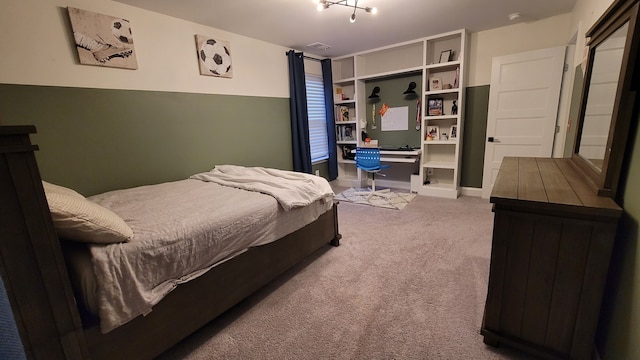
(445, 56)
(453, 132)
(435, 107)
(435, 84)
(432, 133)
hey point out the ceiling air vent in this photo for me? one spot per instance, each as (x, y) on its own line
(319, 46)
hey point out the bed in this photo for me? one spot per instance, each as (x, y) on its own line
(58, 320)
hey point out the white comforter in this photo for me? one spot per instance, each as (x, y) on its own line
(181, 229)
(291, 189)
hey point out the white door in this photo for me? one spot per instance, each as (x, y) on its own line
(523, 108)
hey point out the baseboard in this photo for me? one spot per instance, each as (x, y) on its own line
(471, 191)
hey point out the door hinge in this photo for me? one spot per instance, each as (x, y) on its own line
(565, 68)
(557, 129)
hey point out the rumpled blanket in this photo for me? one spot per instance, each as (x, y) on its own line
(290, 189)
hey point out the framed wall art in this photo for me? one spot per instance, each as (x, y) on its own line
(103, 40)
(445, 56)
(434, 107)
(214, 56)
(432, 133)
(435, 84)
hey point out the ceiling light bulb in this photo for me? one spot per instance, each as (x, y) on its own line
(320, 7)
(372, 10)
(353, 18)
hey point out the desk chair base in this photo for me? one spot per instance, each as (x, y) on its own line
(385, 193)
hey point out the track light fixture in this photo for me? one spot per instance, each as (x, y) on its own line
(325, 4)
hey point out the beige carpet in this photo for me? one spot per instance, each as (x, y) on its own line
(407, 284)
(396, 200)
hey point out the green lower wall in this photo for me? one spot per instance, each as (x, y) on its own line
(95, 140)
(391, 94)
(619, 328)
(475, 130)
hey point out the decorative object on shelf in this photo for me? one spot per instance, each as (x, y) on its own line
(432, 132)
(454, 108)
(214, 57)
(374, 93)
(337, 97)
(455, 81)
(102, 40)
(453, 132)
(411, 89)
(435, 107)
(325, 4)
(444, 137)
(418, 115)
(445, 56)
(344, 113)
(435, 84)
(347, 153)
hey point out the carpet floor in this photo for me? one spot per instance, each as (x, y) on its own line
(407, 284)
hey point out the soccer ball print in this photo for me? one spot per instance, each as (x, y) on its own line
(214, 56)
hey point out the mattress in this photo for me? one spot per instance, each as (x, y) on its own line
(181, 230)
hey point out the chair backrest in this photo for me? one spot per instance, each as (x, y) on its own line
(368, 158)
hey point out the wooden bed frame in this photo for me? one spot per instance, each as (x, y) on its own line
(34, 273)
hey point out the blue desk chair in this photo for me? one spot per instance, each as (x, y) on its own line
(368, 159)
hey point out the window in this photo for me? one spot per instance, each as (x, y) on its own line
(318, 139)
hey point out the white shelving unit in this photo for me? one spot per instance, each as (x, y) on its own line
(440, 161)
(440, 170)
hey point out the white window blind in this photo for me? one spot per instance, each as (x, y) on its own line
(318, 139)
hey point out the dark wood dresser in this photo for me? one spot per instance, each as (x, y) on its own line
(552, 242)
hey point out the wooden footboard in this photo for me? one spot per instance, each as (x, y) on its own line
(38, 286)
(197, 302)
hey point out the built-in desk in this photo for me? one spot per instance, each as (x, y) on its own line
(399, 156)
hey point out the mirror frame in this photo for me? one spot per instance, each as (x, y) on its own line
(606, 180)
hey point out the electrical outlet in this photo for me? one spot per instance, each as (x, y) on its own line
(429, 171)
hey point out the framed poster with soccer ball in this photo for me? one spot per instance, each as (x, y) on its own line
(214, 56)
(103, 40)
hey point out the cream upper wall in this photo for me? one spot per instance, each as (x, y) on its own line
(484, 45)
(584, 15)
(38, 49)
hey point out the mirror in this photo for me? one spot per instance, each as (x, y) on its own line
(605, 72)
(609, 96)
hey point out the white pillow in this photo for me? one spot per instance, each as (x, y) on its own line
(76, 218)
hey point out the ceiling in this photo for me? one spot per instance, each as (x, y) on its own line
(296, 23)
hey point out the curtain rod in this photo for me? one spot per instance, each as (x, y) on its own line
(305, 56)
